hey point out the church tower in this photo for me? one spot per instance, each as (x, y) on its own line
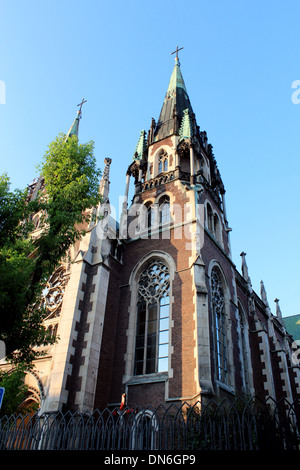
(188, 325)
(174, 228)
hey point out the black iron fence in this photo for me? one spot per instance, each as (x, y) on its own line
(240, 425)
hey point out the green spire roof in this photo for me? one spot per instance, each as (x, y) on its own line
(186, 129)
(141, 147)
(176, 80)
(176, 101)
(75, 126)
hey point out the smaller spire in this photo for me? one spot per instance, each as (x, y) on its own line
(75, 126)
(263, 294)
(245, 267)
(278, 310)
(104, 184)
(141, 147)
(186, 129)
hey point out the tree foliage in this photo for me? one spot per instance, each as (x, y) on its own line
(15, 390)
(69, 192)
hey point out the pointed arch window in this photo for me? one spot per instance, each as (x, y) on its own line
(218, 306)
(164, 210)
(243, 346)
(213, 223)
(152, 325)
(163, 163)
(150, 215)
(210, 221)
(160, 164)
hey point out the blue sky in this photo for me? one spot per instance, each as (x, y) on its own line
(239, 62)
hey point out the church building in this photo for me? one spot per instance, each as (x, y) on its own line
(152, 307)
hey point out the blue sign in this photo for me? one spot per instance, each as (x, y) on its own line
(2, 390)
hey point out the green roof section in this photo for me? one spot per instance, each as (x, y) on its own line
(176, 80)
(186, 129)
(141, 147)
(292, 325)
(175, 102)
(75, 126)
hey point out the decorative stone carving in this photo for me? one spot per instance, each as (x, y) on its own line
(54, 292)
(154, 282)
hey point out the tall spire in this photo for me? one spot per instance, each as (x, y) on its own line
(75, 126)
(175, 102)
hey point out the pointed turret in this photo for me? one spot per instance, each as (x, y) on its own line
(245, 268)
(175, 103)
(186, 128)
(104, 184)
(278, 310)
(75, 126)
(264, 298)
(263, 294)
(141, 147)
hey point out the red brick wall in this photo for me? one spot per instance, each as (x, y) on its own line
(104, 378)
(183, 361)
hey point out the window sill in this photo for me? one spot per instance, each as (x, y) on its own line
(149, 378)
(225, 387)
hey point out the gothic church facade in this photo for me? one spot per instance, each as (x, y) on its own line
(153, 307)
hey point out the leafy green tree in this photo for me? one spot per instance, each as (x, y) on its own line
(69, 192)
(15, 390)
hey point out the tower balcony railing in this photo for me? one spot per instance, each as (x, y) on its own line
(162, 178)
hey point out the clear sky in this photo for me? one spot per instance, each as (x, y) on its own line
(239, 62)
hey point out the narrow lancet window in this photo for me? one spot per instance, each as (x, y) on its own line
(218, 305)
(164, 210)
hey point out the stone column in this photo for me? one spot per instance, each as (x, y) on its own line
(123, 217)
(203, 328)
(192, 166)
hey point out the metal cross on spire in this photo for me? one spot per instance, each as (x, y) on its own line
(176, 52)
(81, 104)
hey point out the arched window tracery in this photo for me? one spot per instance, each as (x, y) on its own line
(218, 306)
(163, 163)
(53, 295)
(54, 292)
(152, 324)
